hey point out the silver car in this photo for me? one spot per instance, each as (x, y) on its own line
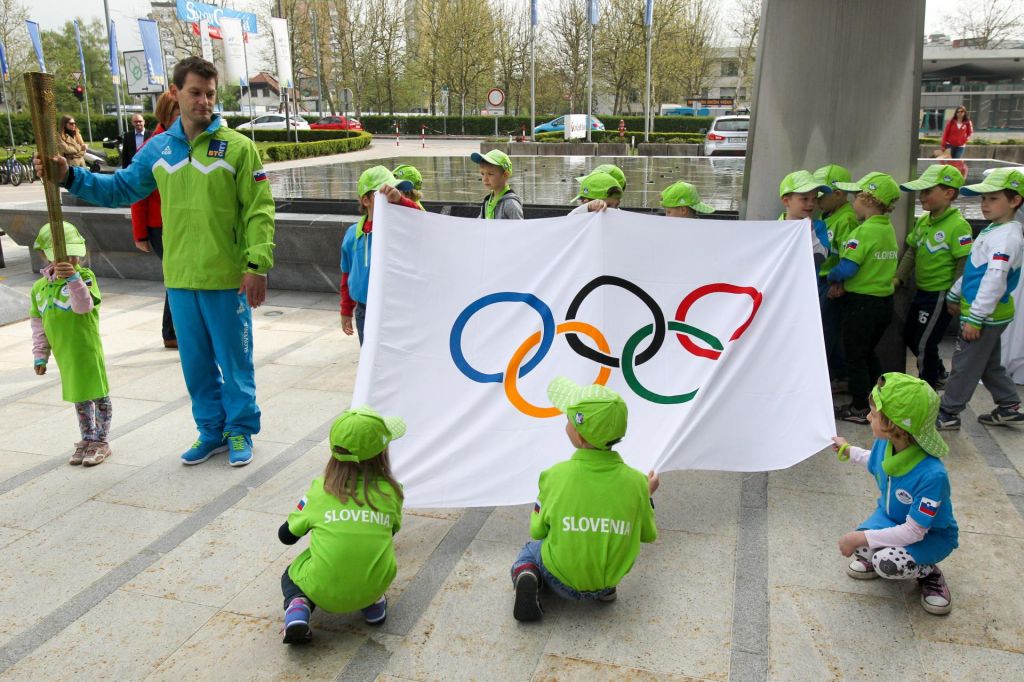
(727, 136)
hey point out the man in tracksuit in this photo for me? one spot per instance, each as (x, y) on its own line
(218, 216)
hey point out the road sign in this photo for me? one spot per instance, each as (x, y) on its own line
(138, 78)
(76, 76)
(495, 98)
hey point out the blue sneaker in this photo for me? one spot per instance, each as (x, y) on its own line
(241, 448)
(203, 450)
(375, 613)
(296, 622)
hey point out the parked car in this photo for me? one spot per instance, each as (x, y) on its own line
(558, 125)
(727, 136)
(273, 122)
(337, 123)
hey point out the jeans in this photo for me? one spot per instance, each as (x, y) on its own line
(530, 555)
(293, 591)
(360, 317)
(156, 242)
(865, 319)
(957, 152)
(831, 319)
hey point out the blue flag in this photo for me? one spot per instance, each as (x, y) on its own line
(592, 11)
(5, 74)
(115, 70)
(534, 19)
(150, 33)
(649, 13)
(33, 33)
(78, 40)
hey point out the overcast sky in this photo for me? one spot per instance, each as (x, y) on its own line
(52, 14)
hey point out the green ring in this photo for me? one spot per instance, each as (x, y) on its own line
(629, 373)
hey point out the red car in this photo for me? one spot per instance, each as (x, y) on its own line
(336, 123)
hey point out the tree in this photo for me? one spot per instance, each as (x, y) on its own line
(18, 49)
(511, 49)
(619, 50)
(746, 26)
(566, 50)
(987, 24)
(466, 56)
(684, 48)
(426, 46)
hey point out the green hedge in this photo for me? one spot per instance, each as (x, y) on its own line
(612, 136)
(304, 135)
(302, 150)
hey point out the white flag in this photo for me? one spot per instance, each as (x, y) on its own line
(204, 39)
(710, 331)
(283, 52)
(234, 51)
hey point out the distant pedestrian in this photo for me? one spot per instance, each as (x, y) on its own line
(70, 143)
(133, 139)
(957, 133)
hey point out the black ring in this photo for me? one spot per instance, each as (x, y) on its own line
(597, 356)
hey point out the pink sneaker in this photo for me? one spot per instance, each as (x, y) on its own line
(861, 569)
(935, 597)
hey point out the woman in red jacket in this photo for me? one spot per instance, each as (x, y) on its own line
(958, 131)
(147, 225)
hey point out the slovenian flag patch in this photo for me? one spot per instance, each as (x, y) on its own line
(928, 507)
(852, 245)
(966, 239)
(260, 175)
(301, 505)
(536, 507)
(1004, 257)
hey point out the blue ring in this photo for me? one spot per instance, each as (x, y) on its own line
(547, 335)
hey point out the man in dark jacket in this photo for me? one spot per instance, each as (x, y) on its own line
(132, 140)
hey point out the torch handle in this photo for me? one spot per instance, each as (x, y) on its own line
(43, 106)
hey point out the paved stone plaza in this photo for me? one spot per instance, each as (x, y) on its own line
(143, 569)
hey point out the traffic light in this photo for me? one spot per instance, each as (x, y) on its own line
(79, 92)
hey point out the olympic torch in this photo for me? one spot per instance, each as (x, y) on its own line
(44, 125)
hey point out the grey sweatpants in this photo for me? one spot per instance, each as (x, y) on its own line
(974, 360)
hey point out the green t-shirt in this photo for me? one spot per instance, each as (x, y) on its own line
(74, 338)
(350, 561)
(492, 202)
(940, 243)
(873, 247)
(592, 512)
(840, 223)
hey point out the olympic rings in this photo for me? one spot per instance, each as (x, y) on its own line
(455, 340)
(571, 328)
(604, 358)
(512, 391)
(701, 292)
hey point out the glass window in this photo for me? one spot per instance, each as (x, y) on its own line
(733, 125)
(730, 68)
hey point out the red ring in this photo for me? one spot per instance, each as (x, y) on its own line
(701, 292)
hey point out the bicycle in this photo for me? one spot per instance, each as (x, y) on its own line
(11, 170)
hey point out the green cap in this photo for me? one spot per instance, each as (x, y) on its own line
(878, 185)
(613, 171)
(374, 178)
(683, 194)
(799, 182)
(597, 412)
(410, 173)
(493, 157)
(364, 433)
(937, 174)
(831, 174)
(74, 242)
(597, 186)
(911, 404)
(1000, 178)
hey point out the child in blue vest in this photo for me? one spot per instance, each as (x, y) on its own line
(912, 528)
(351, 512)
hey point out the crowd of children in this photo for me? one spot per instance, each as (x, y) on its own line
(593, 511)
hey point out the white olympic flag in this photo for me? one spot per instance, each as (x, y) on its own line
(709, 330)
(234, 52)
(282, 52)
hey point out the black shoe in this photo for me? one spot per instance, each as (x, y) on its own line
(527, 607)
(849, 413)
(949, 422)
(1003, 416)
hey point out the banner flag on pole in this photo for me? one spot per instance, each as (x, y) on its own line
(149, 30)
(204, 39)
(649, 13)
(115, 70)
(712, 338)
(234, 51)
(283, 52)
(37, 43)
(534, 13)
(5, 73)
(78, 41)
(592, 12)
